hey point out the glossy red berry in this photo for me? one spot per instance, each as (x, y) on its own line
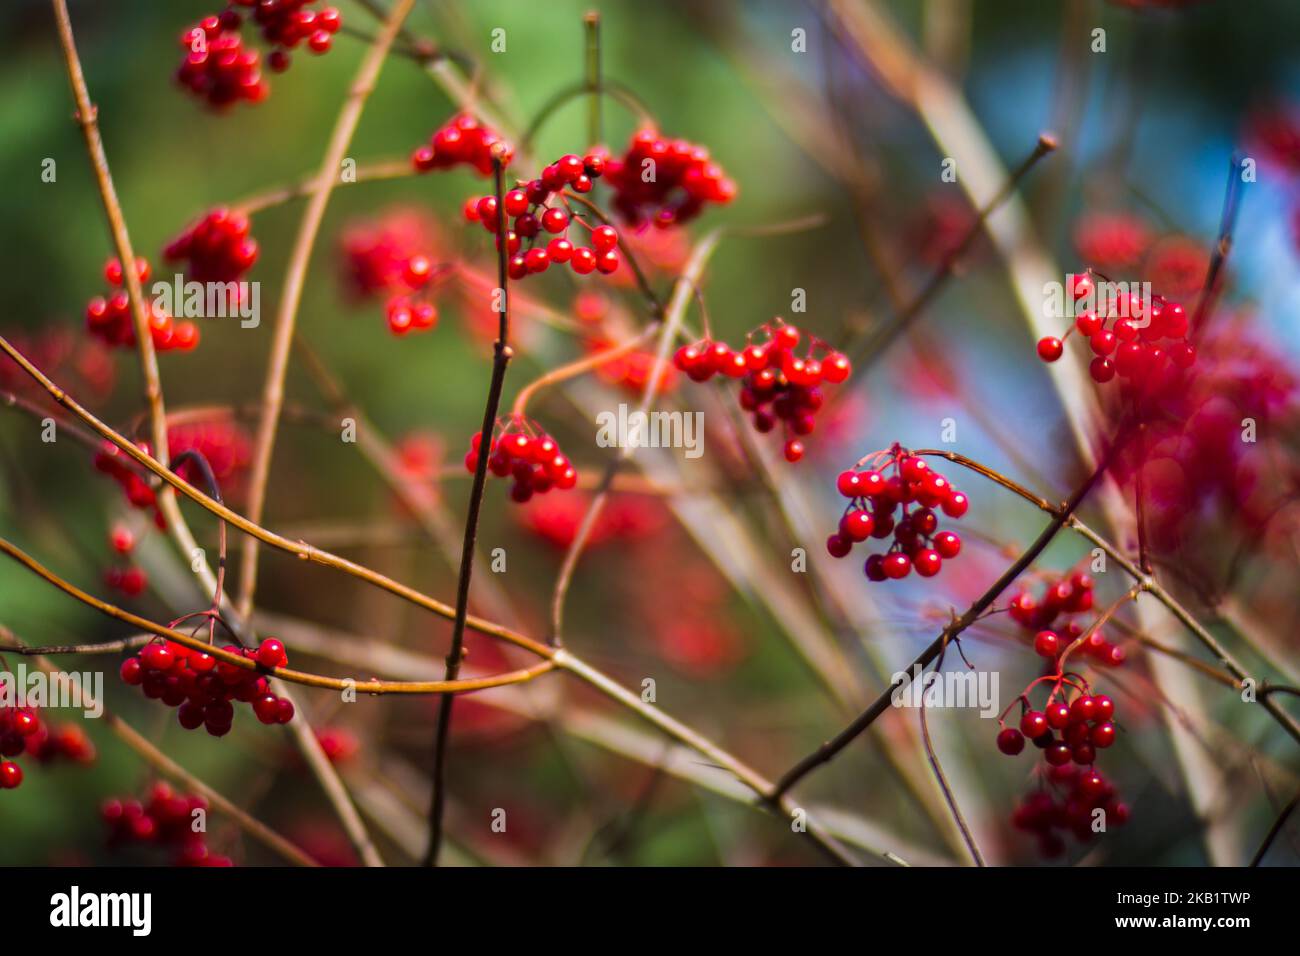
(1102, 735)
(271, 653)
(1033, 724)
(1010, 741)
(1047, 644)
(1050, 348)
(1058, 715)
(896, 565)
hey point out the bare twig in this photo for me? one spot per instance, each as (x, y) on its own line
(501, 354)
(294, 280)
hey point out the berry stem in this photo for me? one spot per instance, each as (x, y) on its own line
(501, 354)
(595, 124)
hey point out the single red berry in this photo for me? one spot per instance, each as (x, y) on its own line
(838, 546)
(1105, 707)
(11, 775)
(848, 483)
(1047, 644)
(271, 653)
(896, 565)
(604, 238)
(1033, 724)
(1102, 735)
(157, 657)
(1058, 715)
(1050, 348)
(1058, 754)
(927, 562)
(1011, 741)
(793, 450)
(947, 544)
(857, 525)
(131, 671)
(1083, 709)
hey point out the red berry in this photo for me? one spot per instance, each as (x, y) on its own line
(838, 546)
(271, 653)
(1033, 724)
(896, 565)
(947, 544)
(1102, 735)
(157, 657)
(1047, 644)
(927, 562)
(1058, 754)
(1058, 715)
(1050, 348)
(1011, 741)
(604, 238)
(1083, 709)
(11, 775)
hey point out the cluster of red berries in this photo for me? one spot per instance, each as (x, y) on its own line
(665, 181)
(1063, 732)
(875, 494)
(69, 742)
(1043, 813)
(1145, 343)
(202, 687)
(528, 455)
(387, 259)
(167, 820)
(776, 383)
(1066, 596)
(217, 67)
(220, 69)
(462, 140)
(529, 216)
(286, 23)
(224, 444)
(218, 248)
(109, 319)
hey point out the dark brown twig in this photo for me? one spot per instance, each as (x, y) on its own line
(501, 354)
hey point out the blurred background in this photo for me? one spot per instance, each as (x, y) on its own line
(693, 590)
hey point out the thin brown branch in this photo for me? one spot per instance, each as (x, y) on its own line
(449, 687)
(829, 750)
(674, 316)
(295, 279)
(1148, 583)
(501, 354)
